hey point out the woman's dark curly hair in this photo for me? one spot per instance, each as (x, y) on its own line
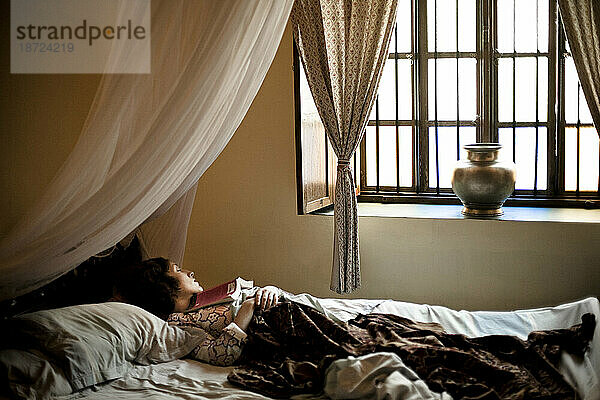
(148, 285)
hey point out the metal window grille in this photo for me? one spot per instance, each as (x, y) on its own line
(554, 155)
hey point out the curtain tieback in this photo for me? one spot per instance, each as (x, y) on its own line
(343, 164)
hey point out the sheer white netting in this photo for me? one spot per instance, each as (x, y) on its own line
(148, 138)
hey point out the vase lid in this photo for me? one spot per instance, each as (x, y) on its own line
(483, 147)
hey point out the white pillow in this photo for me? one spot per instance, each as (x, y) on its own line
(93, 343)
(30, 375)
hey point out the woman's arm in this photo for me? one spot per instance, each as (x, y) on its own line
(244, 315)
(225, 349)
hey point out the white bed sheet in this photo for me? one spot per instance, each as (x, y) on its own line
(191, 380)
(175, 380)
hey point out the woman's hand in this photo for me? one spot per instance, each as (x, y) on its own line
(266, 297)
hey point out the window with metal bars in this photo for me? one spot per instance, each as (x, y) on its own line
(466, 71)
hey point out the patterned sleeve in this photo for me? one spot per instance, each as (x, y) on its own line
(224, 342)
(212, 319)
(223, 350)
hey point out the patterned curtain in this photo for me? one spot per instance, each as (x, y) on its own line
(343, 46)
(581, 19)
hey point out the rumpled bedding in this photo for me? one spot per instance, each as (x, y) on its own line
(376, 376)
(292, 345)
(192, 380)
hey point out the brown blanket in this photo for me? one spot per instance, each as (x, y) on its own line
(291, 345)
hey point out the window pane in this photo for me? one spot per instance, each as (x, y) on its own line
(404, 89)
(573, 95)
(306, 99)
(467, 82)
(525, 155)
(447, 153)
(543, 24)
(571, 91)
(506, 21)
(525, 17)
(543, 89)
(386, 96)
(525, 26)
(387, 92)
(356, 170)
(405, 162)
(445, 17)
(466, 25)
(387, 156)
(584, 112)
(446, 87)
(588, 159)
(505, 138)
(505, 89)
(525, 159)
(404, 27)
(371, 159)
(525, 107)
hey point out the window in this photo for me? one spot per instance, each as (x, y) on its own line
(464, 71)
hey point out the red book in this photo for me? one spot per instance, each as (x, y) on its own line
(223, 293)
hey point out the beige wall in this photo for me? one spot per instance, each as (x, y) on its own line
(40, 119)
(245, 221)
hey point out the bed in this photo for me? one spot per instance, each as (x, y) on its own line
(150, 365)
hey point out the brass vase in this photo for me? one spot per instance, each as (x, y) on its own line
(481, 182)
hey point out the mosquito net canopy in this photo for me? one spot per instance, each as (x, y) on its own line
(148, 138)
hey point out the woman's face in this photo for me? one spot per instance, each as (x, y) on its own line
(187, 286)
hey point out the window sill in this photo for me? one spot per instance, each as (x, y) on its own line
(435, 211)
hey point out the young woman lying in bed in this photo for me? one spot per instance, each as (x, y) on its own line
(290, 344)
(165, 289)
